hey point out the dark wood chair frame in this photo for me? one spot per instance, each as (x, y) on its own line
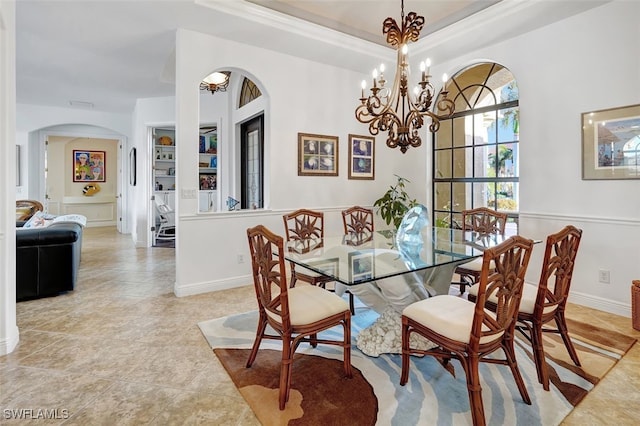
(269, 278)
(483, 220)
(506, 281)
(557, 266)
(307, 227)
(357, 222)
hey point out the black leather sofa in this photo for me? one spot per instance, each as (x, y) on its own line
(47, 259)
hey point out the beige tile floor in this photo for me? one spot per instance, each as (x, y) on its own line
(122, 349)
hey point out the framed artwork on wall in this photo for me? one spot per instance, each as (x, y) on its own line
(361, 157)
(89, 166)
(611, 143)
(317, 155)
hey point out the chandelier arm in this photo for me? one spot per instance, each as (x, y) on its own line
(398, 112)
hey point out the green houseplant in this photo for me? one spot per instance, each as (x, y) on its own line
(395, 203)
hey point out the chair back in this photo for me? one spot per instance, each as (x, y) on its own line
(165, 213)
(269, 276)
(306, 227)
(484, 220)
(557, 270)
(501, 281)
(358, 222)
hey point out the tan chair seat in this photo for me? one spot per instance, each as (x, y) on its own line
(527, 303)
(449, 316)
(476, 265)
(308, 304)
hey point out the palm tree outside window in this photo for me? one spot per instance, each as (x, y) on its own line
(476, 152)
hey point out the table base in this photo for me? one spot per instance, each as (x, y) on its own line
(385, 336)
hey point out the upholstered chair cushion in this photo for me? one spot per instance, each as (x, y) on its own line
(527, 303)
(450, 316)
(476, 265)
(308, 304)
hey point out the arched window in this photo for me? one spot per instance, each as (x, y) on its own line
(248, 92)
(475, 153)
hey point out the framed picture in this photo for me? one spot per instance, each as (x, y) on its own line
(330, 267)
(89, 166)
(317, 155)
(361, 266)
(361, 157)
(611, 143)
(208, 181)
(132, 167)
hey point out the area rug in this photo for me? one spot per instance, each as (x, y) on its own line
(320, 394)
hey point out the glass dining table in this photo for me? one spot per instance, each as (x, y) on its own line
(388, 273)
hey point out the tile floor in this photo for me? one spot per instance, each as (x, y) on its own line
(122, 349)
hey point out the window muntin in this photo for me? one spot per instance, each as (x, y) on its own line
(475, 154)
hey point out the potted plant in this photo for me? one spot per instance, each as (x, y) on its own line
(394, 203)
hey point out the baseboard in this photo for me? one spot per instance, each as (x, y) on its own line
(8, 344)
(601, 304)
(209, 286)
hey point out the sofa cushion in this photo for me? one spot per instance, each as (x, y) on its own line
(39, 220)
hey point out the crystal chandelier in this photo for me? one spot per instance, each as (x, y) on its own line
(399, 112)
(216, 82)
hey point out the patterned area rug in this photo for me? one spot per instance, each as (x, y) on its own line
(321, 395)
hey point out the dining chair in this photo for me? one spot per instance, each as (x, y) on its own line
(546, 302)
(295, 314)
(166, 230)
(485, 221)
(358, 221)
(468, 331)
(306, 227)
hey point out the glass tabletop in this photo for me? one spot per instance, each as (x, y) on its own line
(357, 258)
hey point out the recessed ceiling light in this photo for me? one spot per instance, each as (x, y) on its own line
(81, 104)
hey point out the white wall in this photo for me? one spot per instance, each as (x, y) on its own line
(32, 119)
(304, 97)
(587, 62)
(9, 334)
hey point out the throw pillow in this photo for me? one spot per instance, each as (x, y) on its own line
(39, 220)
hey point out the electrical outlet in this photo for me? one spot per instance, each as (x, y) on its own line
(240, 258)
(604, 276)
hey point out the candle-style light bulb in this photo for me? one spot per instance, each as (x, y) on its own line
(423, 68)
(445, 78)
(381, 68)
(428, 63)
(364, 86)
(375, 76)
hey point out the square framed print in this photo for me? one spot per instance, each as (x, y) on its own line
(361, 266)
(611, 143)
(329, 267)
(361, 157)
(317, 155)
(89, 166)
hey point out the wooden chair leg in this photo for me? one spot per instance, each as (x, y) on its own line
(475, 390)
(352, 307)
(285, 373)
(347, 348)
(262, 325)
(538, 355)
(510, 354)
(562, 328)
(406, 359)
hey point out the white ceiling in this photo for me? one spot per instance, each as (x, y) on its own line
(110, 52)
